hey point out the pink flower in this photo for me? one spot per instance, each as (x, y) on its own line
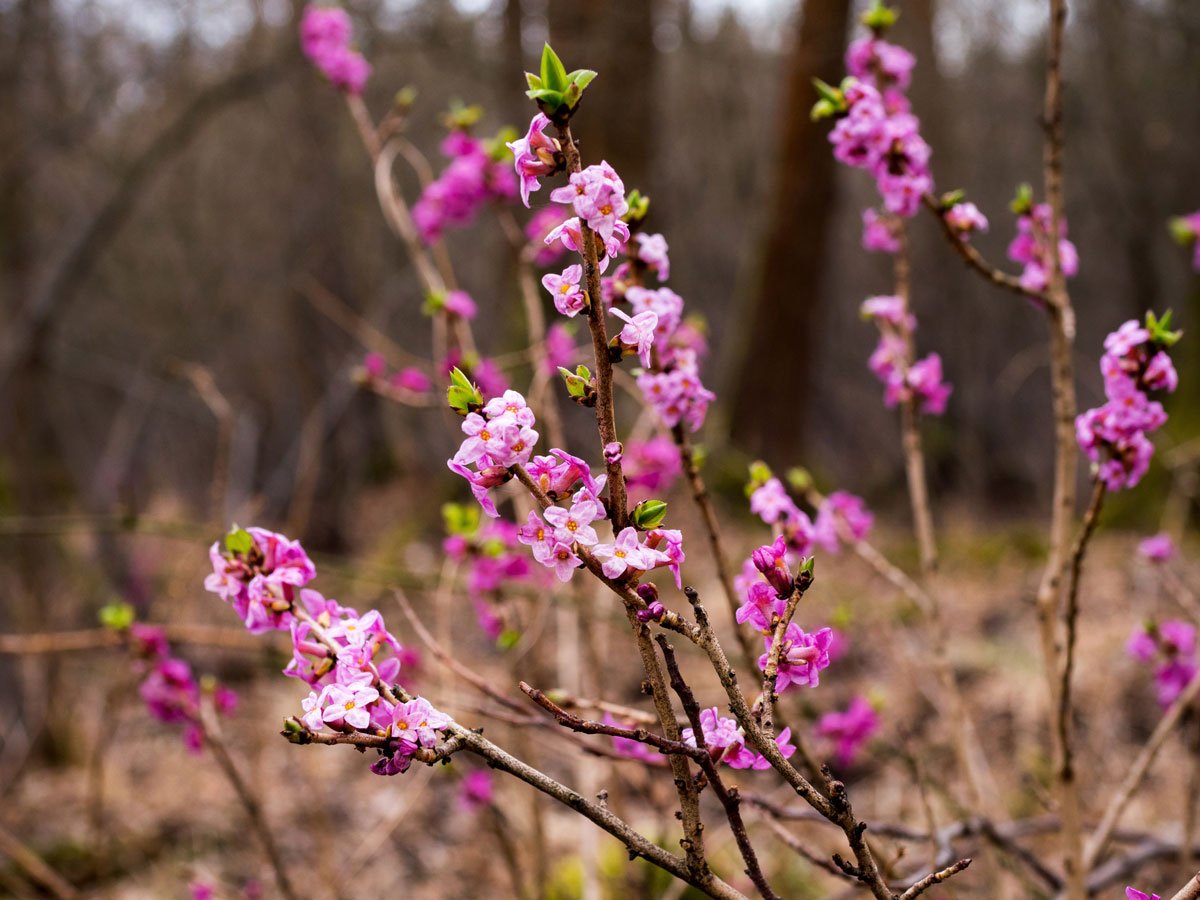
(325, 40)
(569, 298)
(877, 233)
(573, 525)
(475, 791)
(965, 218)
(412, 379)
(534, 156)
(1134, 894)
(842, 516)
(346, 705)
(638, 333)
(802, 658)
(460, 304)
(626, 553)
(668, 542)
(416, 723)
(652, 250)
(539, 537)
(771, 502)
(890, 309)
(564, 561)
(598, 196)
(1158, 548)
(651, 466)
(540, 225)
(925, 381)
(850, 729)
(560, 347)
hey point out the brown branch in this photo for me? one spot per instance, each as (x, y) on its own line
(1190, 891)
(771, 672)
(935, 878)
(605, 412)
(720, 559)
(1137, 771)
(34, 866)
(974, 259)
(728, 797)
(585, 726)
(211, 730)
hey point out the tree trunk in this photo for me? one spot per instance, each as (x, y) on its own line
(769, 398)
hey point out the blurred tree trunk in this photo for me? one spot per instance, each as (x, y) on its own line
(770, 396)
(616, 38)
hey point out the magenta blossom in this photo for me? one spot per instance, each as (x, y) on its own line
(569, 298)
(652, 250)
(1157, 548)
(325, 40)
(965, 218)
(627, 553)
(877, 233)
(638, 334)
(475, 791)
(535, 156)
(850, 729)
(1132, 893)
(802, 657)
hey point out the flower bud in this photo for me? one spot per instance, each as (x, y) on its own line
(771, 562)
(652, 613)
(648, 592)
(649, 514)
(612, 452)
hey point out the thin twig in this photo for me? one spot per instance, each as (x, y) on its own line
(211, 730)
(34, 866)
(935, 878)
(728, 797)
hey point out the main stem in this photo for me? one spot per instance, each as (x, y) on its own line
(1062, 332)
(606, 420)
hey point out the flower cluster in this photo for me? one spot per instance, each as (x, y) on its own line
(597, 195)
(473, 177)
(374, 372)
(849, 730)
(259, 574)
(489, 552)
(1171, 648)
(169, 689)
(903, 380)
(651, 466)
(877, 130)
(1031, 247)
(325, 40)
(726, 742)
(350, 661)
(500, 435)
(1135, 363)
(840, 518)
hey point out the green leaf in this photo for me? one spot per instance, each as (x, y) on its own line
(1022, 203)
(1160, 329)
(649, 514)
(1182, 231)
(462, 394)
(508, 639)
(238, 541)
(535, 83)
(460, 519)
(879, 17)
(828, 92)
(116, 616)
(554, 74)
(435, 302)
(760, 474)
(799, 479)
(581, 77)
(571, 95)
(576, 385)
(823, 109)
(953, 198)
(551, 99)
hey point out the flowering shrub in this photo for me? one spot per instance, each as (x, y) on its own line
(550, 516)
